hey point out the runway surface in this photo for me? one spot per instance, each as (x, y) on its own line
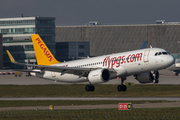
(93, 98)
(107, 106)
(166, 77)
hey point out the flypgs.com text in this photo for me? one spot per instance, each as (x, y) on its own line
(110, 62)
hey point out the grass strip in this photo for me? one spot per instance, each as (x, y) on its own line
(135, 114)
(78, 90)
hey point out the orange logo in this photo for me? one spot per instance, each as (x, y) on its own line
(45, 50)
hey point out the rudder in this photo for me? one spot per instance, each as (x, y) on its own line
(43, 54)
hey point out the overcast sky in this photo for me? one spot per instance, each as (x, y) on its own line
(80, 12)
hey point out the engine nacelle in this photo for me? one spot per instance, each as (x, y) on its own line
(148, 77)
(99, 76)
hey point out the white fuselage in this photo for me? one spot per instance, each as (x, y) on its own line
(125, 64)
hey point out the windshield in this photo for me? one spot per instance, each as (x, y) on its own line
(160, 53)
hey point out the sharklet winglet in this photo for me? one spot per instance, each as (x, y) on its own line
(10, 56)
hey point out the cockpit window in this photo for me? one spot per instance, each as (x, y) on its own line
(156, 54)
(167, 52)
(159, 53)
(164, 53)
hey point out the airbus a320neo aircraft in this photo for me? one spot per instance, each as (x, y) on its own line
(139, 63)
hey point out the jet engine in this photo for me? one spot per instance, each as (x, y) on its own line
(148, 77)
(99, 76)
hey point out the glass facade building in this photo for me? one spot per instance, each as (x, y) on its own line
(66, 51)
(17, 37)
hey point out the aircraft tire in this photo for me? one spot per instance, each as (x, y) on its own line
(119, 87)
(87, 88)
(156, 81)
(92, 88)
(124, 88)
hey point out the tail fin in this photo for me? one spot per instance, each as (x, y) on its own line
(43, 54)
(144, 45)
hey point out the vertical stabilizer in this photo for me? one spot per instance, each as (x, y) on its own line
(144, 45)
(43, 54)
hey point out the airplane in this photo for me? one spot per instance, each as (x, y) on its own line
(100, 69)
(175, 68)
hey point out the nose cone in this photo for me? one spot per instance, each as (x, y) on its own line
(170, 60)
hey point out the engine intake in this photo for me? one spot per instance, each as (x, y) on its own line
(99, 76)
(148, 77)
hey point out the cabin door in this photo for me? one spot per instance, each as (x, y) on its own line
(146, 56)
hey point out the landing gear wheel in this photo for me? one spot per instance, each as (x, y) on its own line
(121, 88)
(156, 81)
(89, 88)
(124, 88)
(92, 88)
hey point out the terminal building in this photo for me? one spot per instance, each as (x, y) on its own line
(66, 51)
(108, 39)
(1, 52)
(17, 37)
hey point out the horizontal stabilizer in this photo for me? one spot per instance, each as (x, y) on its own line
(27, 70)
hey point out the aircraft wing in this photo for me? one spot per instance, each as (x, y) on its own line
(71, 70)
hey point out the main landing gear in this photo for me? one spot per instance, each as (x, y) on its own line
(90, 88)
(122, 87)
